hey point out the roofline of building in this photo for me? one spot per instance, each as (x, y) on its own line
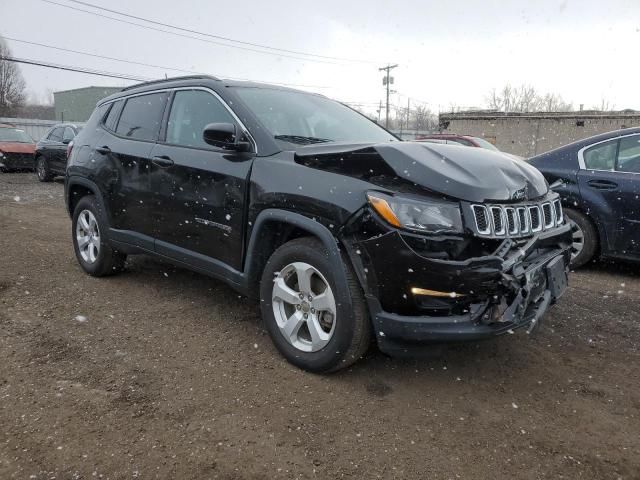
(115, 89)
(583, 114)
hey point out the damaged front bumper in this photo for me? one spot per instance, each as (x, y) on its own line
(489, 296)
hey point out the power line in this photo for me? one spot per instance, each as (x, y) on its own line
(219, 37)
(70, 68)
(149, 64)
(359, 103)
(98, 56)
(414, 99)
(190, 36)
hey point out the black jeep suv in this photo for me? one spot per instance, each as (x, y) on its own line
(342, 231)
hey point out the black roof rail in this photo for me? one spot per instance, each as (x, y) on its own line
(162, 80)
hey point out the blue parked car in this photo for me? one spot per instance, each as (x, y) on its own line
(600, 193)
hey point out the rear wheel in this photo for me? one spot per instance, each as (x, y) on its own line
(585, 238)
(42, 170)
(307, 317)
(93, 249)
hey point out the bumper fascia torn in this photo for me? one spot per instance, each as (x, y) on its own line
(531, 277)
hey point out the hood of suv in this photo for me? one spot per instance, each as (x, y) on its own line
(470, 174)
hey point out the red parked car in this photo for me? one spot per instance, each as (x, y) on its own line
(17, 148)
(454, 138)
(465, 140)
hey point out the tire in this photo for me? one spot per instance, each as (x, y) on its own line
(42, 170)
(348, 330)
(97, 257)
(585, 238)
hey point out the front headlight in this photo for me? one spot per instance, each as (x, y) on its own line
(418, 215)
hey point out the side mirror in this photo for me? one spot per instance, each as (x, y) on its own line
(66, 141)
(223, 135)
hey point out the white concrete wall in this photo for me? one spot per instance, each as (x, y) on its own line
(530, 135)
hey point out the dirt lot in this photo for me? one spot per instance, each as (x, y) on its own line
(162, 373)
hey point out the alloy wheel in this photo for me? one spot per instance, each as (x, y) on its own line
(88, 236)
(577, 236)
(304, 306)
(41, 169)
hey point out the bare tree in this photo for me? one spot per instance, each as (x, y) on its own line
(401, 117)
(525, 98)
(495, 100)
(605, 105)
(423, 119)
(554, 103)
(528, 99)
(12, 85)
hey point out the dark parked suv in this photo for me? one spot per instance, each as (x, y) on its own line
(340, 230)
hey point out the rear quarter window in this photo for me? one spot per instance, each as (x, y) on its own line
(96, 117)
(141, 117)
(112, 117)
(601, 157)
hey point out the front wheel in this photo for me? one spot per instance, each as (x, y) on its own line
(42, 170)
(308, 318)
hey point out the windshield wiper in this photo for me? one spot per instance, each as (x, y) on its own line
(302, 140)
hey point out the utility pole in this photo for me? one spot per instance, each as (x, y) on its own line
(408, 111)
(379, 111)
(387, 80)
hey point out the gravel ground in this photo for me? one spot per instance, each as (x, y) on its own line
(163, 373)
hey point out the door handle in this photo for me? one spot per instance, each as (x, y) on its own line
(162, 161)
(104, 150)
(603, 184)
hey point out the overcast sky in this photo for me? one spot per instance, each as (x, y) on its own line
(450, 52)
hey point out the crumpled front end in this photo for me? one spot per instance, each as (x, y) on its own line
(424, 289)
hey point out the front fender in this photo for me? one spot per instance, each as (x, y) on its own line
(256, 255)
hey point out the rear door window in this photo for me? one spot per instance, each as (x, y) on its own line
(601, 157)
(629, 154)
(141, 116)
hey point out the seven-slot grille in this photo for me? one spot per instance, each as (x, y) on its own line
(517, 220)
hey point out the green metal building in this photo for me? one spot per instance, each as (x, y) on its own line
(76, 105)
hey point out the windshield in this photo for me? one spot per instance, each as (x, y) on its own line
(484, 144)
(14, 135)
(303, 118)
